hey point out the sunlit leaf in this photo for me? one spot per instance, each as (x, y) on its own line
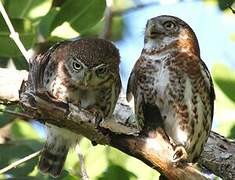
(117, 157)
(27, 8)
(225, 79)
(46, 21)
(117, 29)
(65, 175)
(23, 130)
(80, 14)
(227, 129)
(95, 158)
(116, 172)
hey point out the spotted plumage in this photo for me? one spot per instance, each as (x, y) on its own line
(170, 76)
(84, 72)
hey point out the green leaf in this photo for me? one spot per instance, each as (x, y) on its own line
(26, 8)
(232, 132)
(3, 62)
(65, 175)
(19, 24)
(94, 155)
(225, 79)
(117, 28)
(8, 47)
(46, 21)
(224, 4)
(23, 130)
(227, 129)
(20, 63)
(12, 152)
(80, 14)
(116, 172)
(26, 33)
(5, 118)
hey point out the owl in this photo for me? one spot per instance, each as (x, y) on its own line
(84, 72)
(172, 86)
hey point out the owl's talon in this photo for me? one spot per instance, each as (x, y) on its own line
(98, 120)
(97, 113)
(180, 154)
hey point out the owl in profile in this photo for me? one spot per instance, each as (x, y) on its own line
(171, 83)
(84, 72)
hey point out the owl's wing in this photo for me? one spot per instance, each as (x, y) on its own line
(191, 74)
(130, 84)
(210, 85)
(38, 65)
(188, 105)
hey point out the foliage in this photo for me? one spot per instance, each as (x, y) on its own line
(224, 4)
(224, 77)
(40, 24)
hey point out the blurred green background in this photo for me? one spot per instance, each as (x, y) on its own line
(41, 23)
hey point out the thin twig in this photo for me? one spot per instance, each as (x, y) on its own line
(17, 114)
(107, 31)
(13, 34)
(13, 165)
(84, 175)
(233, 10)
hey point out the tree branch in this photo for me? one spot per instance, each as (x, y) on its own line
(219, 156)
(233, 10)
(151, 146)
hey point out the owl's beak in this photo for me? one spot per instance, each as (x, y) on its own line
(152, 30)
(87, 78)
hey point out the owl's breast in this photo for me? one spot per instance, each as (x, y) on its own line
(153, 79)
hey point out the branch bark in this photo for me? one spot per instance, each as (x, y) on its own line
(151, 146)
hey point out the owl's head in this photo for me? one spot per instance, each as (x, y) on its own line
(88, 62)
(164, 30)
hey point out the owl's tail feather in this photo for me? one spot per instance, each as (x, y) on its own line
(52, 161)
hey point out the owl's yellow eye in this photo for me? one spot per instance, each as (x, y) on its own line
(77, 66)
(169, 25)
(101, 70)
